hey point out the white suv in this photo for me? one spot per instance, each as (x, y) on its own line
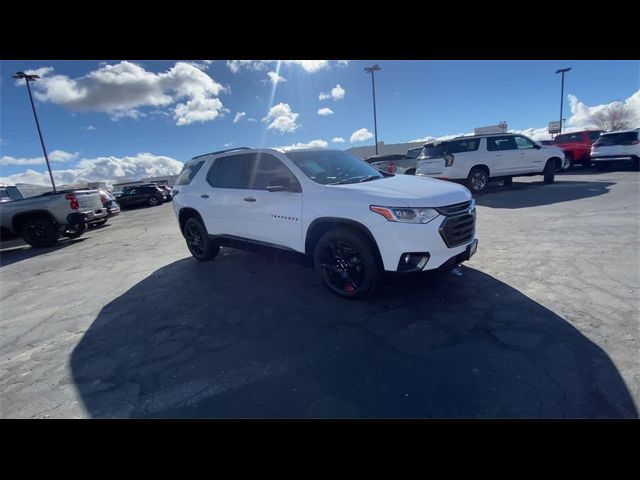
(613, 147)
(476, 159)
(353, 220)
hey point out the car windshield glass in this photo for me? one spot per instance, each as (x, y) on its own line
(624, 138)
(414, 153)
(333, 167)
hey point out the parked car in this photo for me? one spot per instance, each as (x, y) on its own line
(168, 192)
(108, 202)
(393, 163)
(546, 142)
(577, 146)
(42, 219)
(615, 147)
(354, 221)
(140, 195)
(479, 158)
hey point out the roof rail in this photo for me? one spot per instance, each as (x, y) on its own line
(222, 151)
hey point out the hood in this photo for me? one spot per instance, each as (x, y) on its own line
(410, 191)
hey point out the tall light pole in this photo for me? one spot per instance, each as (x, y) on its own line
(562, 71)
(372, 70)
(33, 78)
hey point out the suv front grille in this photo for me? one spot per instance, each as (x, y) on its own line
(455, 209)
(458, 230)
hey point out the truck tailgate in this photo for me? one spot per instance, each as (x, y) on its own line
(89, 199)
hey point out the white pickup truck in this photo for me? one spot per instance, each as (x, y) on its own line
(43, 219)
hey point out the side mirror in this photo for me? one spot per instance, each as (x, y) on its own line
(537, 145)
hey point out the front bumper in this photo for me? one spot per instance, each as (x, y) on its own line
(396, 239)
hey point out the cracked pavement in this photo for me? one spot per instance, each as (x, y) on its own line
(541, 323)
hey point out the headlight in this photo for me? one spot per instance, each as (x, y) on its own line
(405, 215)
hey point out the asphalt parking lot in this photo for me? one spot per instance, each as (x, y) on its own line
(542, 322)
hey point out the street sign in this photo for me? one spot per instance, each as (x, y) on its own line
(554, 127)
(500, 128)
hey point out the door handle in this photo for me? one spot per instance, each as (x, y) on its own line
(204, 195)
(249, 199)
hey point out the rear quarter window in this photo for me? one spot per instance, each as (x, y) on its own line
(189, 172)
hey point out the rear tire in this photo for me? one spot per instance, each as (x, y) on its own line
(153, 202)
(586, 162)
(565, 167)
(99, 223)
(477, 180)
(40, 233)
(345, 261)
(549, 171)
(75, 231)
(411, 171)
(198, 242)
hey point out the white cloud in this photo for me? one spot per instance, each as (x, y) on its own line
(582, 115)
(343, 63)
(121, 89)
(56, 156)
(238, 117)
(236, 65)
(325, 111)
(275, 78)
(228, 144)
(311, 144)
(337, 93)
(360, 135)
(430, 138)
(338, 140)
(112, 169)
(251, 119)
(282, 118)
(89, 127)
(310, 66)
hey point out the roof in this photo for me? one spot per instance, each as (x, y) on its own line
(628, 130)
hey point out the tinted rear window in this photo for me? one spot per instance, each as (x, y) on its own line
(568, 138)
(624, 138)
(455, 146)
(188, 172)
(593, 136)
(414, 153)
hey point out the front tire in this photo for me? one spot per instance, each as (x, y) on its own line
(565, 167)
(346, 263)
(549, 171)
(411, 171)
(40, 233)
(477, 180)
(198, 242)
(153, 202)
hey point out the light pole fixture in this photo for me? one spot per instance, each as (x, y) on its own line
(27, 79)
(562, 71)
(372, 70)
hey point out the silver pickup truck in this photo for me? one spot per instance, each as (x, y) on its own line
(43, 219)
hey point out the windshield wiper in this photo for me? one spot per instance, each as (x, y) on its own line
(369, 177)
(363, 178)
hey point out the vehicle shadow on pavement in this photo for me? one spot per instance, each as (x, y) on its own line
(531, 194)
(16, 250)
(252, 336)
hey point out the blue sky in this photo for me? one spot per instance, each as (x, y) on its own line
(101, 116)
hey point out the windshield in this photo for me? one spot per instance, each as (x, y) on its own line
(333, 167)
(414, 153)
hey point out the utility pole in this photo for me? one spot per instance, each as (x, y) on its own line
(372, 70)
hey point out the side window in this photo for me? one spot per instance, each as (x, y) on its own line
(459, 146)
(133, 191)
(188, 172)
(268, 170)
(523, 143)
(231, 172)
(501, 143)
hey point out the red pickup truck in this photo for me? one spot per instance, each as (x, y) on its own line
(577, 146)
